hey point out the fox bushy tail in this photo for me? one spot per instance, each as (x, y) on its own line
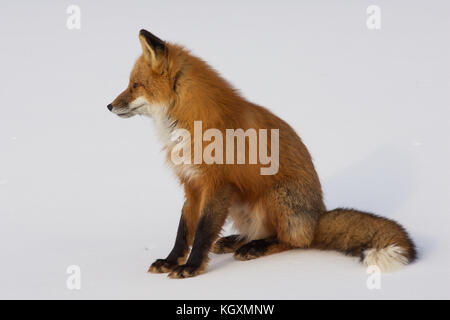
(376, 240)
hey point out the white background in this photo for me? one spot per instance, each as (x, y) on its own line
(81, 186)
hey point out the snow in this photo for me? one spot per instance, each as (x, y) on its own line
(80, 186)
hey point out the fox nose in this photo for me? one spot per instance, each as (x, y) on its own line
(110, 107)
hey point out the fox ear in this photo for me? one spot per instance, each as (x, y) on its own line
(153, 48)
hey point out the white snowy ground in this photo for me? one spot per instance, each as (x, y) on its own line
(79, 186)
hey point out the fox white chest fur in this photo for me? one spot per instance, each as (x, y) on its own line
(165, 128)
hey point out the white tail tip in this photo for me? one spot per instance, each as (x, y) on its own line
(387, 259)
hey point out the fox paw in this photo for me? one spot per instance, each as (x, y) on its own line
(246, 254)
(252, 250)
(162, 266)
(185, 271)
(227, 244)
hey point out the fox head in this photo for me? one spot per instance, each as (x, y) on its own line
(152, 81)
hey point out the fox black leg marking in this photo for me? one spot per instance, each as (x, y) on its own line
(178, 253)
(258, 248)
(209, 226)
(228, 244)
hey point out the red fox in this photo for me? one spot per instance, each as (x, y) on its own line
(271, 212)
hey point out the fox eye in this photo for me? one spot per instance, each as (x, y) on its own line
(135, 85)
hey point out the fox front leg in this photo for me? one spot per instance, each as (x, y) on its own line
(185, 235)
(179, 251)
(210, 224)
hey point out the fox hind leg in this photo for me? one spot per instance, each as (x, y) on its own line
(295, 209)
